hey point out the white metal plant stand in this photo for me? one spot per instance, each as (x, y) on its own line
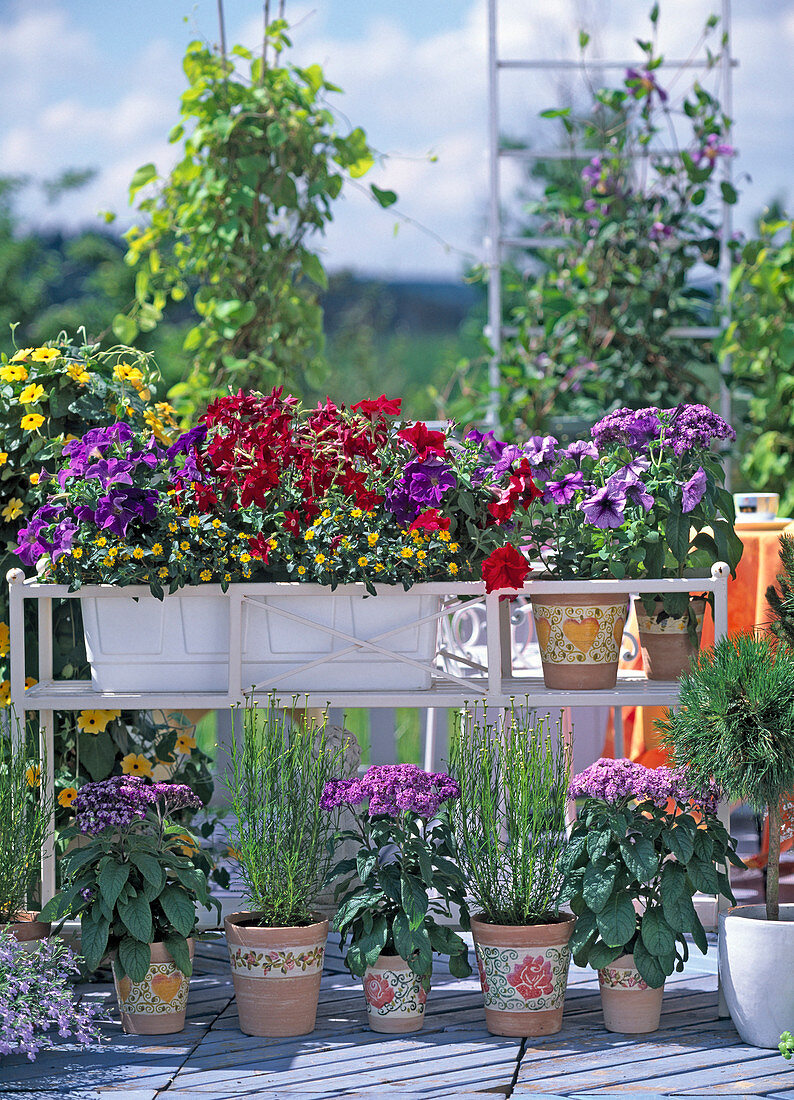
(455, 679)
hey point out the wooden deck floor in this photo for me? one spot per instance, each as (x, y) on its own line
(693, 1055)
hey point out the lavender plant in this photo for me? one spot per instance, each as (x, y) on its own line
(643, 843)
(280, 836)
(25, 818)
(38, 1001)
(405, 872)
(135, 880)
(510, 818)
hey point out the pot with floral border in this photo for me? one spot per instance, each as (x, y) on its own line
(135, 892)
(643, 842)
(510, 833)
(403, 876)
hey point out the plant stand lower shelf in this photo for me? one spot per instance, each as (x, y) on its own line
(447, 679)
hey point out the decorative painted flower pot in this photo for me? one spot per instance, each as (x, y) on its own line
(182, 642)
(155, 1006)
(394, 995)
(26, 930)
(666, 646)
(756, 967)
(629, 1004)
(276, 974)
(523, 974)
(579, 639)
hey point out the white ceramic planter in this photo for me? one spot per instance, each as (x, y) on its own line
(756, 968)
(182, 642)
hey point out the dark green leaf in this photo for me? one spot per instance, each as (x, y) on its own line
(93, 940)
(617, 920)
(136, 915)
(179, 908)
(652, 969)
(366, 863)
(112, 878)
(150, 867)
(177, 948)
(657, 935)
(134, 958)
(599, 880)
(414, 900)
(640, 857)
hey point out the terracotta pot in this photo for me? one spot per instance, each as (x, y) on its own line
(276, 973)
(666, 646)
(156, 1005)
(394, 995)
(523, 974)
(27, 930)
(579, 639)
(630, 1006)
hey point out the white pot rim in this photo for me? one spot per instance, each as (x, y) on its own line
(757, 912)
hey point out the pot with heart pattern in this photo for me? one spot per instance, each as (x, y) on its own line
(579, 638)
(156, 1005)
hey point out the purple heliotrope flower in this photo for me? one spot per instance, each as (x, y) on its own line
(564, 490)
(632, 427)
(695, 426)
(116, 511)
(391, 788)
(605, 508)
(610, 780)
(692, 491)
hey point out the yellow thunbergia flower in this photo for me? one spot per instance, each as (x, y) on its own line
(127, 373)
(78, 373)
(185, 744)
(18, 356)
(136, 764)
(67, 797)
(5, 693)
(362, 561)
(164, 408)
(94, 721)
(13, 373)
(157, 549)
(5, 639)
(31, 394)
(205, 575)
(12, 509)
(3, 457)
(31, 421)
(30, 681)
(45, 355)
(33, 775)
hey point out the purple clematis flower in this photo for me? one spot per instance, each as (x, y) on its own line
(692, 491)
(564, 490)
(605, 507)
(644, 84)
(712, 149)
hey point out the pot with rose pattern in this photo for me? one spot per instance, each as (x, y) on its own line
(394, 995)
(523, 974)
(630, 1005)
(276, 974)
(579, 638)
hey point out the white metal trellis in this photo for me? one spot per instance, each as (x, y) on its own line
(497, 242)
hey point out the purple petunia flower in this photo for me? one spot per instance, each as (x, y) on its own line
(487, 440)
(541, 450)
(428, 480)
(581, 448)
(117, 510)
(188, 441)
(508, 458)
(605, 508)
(564, 490)
(692, 491)
(627, 482)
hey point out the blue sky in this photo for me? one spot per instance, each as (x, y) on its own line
(96, 82)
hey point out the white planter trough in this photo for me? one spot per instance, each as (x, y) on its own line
(182, 642)
(756, 968)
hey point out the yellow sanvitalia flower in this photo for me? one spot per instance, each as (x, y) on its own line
(31, 421)
(101, 541)
(406, 552)
(137, 553)
(173, 527)
(78, 373)
(23, 353)
(453, 548)
(31, 394)
(12, 509)
(444, 536)
(453, 568)
(206, 575)
(136, 764)
(372, 538)
(184, 546)
(162, 572)
(33, 775)
(193, 522)
(94, 721)
(14, 372)
(157, 549)
(67, 797)
(44, 355)
(356, 513)
(319, 558)
(5, 639)
(185, 744)
(244, 558)
(301, 569)
(77, 552)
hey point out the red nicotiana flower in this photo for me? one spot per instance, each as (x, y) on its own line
(504, 568)
(430, 520)
(259, 547)
(423, 440)
(292, 522)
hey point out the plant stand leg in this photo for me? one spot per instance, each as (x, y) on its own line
(47, 748)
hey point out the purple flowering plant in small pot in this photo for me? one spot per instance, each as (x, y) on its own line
(644, 841)
(405, 874)
(134, 881)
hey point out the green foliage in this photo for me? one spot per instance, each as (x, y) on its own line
(132, 886)
(781, 603)
(735, 723)
(404, 875)
(280, 836)
(262, 163)
(622, 853)
(592, 314)
(759, 345)
(510, 819)
(25, 815)
(786, 1046)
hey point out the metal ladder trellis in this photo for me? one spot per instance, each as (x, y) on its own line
(497, 243)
